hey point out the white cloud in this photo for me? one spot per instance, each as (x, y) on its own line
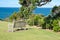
(14, 3)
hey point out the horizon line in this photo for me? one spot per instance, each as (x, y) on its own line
(20, 7)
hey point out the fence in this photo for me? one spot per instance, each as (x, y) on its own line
(16, 24)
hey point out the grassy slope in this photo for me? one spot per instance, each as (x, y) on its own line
(31, 34)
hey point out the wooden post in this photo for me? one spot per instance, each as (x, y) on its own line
(9, 27)
(59, 23)
(13, 25)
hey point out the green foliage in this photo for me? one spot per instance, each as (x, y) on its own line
(55, 11)
(33, 2)
(30, 22)
(51, 23)
(47, 26)
(25, 12)
(36, 20)
(56, 29)
(48, 23)
(36, 17)
(54, 8)
(13, 16)
(41, 21)
(28, 6)
(56, 25)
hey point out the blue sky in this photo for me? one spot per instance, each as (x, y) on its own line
(14, 3)
(9, 3)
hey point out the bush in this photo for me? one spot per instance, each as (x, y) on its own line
(30, 22)
(47, 26)
(41, 21)
(56, 27)
(36, 20)
(44, 26)
(13, 16)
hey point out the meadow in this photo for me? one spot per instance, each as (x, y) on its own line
(30, 34)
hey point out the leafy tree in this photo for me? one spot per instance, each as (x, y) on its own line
(29, 5)
(27, 8)
(33, 2)
(55, 11)
(54, 8)
(54, 18)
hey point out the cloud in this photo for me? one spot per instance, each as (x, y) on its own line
(11, 3)
(14, 3)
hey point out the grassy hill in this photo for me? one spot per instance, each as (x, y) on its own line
(31, 34)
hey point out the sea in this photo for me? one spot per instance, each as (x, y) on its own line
(5, 12)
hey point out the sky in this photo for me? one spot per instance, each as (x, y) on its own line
(14, 3)
(9, 3)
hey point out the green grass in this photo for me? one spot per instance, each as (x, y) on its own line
(31, 34)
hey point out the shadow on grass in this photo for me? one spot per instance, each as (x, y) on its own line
(22, 29)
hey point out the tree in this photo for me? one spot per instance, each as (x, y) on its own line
(33, 2)
(54, 18)
(29, 5)
(55, 11)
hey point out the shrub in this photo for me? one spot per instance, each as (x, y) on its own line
(41, 21)
(30, 22)
(56, 28)
(36, 20)
(47, 26)
(13, 16)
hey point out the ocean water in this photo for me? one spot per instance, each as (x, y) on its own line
(6, 12)
(43, 11)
